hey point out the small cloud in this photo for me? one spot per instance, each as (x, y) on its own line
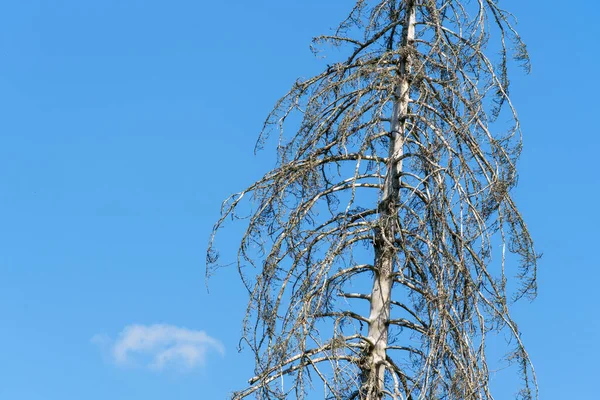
(159, 346)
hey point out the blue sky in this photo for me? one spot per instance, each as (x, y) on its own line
(125, 123)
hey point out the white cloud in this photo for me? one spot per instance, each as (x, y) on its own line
(159, 346)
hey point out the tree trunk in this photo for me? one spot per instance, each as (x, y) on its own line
(385, 252)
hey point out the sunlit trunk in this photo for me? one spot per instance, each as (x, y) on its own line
(381, 293)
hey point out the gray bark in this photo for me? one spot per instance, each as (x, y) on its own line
(385, 250)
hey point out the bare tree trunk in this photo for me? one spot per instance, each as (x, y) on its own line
(385, 251)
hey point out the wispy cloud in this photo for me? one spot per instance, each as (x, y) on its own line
(159, 346)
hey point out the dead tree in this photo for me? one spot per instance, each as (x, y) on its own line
(398, 173)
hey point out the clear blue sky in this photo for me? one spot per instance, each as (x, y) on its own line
(125, 123)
